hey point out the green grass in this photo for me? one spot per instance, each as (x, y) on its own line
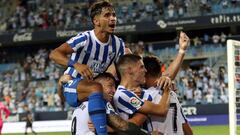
(211, 130)
(197, 130)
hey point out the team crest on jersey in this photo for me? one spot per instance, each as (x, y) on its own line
(135, 102)
(97, 66)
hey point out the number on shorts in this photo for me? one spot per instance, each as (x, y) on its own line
(73, 127)
(174, 106)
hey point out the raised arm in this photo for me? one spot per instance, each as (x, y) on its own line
(60, 54)
(177, 62)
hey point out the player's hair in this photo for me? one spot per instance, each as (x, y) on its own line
(127, 59)
(96, 8)
(104, 76)
(153, 66)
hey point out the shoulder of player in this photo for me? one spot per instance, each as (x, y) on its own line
(123, 92)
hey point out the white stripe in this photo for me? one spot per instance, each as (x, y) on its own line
(70, 90)
(74, 74)
(67, 71)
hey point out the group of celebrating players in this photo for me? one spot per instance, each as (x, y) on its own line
(97, 62)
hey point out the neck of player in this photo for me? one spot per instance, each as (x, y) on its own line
(101, 35)
(129, 84)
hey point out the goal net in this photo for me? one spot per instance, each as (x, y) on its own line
(233, 54)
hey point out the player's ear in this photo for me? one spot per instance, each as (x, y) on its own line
(96, 21)
(129, 70)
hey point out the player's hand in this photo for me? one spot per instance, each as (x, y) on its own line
(156, 133)
(64, 79)
(91, 127)
(167, 89)
(163, 82)
(183, 41)
(84, 70)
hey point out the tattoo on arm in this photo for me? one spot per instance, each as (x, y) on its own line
(120, 125)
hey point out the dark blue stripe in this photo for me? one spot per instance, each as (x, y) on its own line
(71, 71)
(89, 49)
(150, 98)
(97, 51)
(122, 88)
(120, 110)
(78, 40)
(105, 53)
(127, 105)
(114, 51)
(142, 94)
(129, 94)
(121, 49)
(78, 53)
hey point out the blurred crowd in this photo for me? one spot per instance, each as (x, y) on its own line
(29, 15)
(31, 82)
(203, 86)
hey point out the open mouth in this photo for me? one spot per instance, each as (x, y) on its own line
(112, 26)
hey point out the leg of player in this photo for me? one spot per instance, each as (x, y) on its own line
(77, 90)
(96, 106)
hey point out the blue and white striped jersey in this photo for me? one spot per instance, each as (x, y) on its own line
(126, 102)
(92, 52)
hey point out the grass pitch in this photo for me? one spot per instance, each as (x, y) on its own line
(197, 130)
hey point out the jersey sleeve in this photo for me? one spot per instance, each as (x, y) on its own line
(128, 102)
(78, 41)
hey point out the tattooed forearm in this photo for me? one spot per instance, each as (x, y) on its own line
(117, 122)
(120, 125)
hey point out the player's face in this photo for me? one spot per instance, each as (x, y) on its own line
(108, 88)
(107, 20)
(138, 72)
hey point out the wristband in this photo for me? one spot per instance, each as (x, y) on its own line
(71, 63)
(181, 51)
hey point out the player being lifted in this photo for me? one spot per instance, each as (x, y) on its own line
(92, 52)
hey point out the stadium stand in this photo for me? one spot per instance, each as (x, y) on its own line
(40, 14)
